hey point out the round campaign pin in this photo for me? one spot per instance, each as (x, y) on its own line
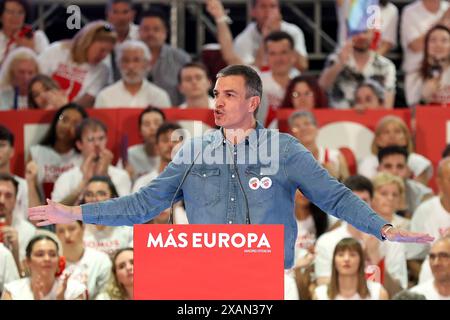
(266, 183)
(254, 183)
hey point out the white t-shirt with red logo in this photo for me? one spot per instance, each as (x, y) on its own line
(74, 79)
(109, 239)
(52, 164)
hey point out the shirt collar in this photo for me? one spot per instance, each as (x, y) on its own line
(250, 140)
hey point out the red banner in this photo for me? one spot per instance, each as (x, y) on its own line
(208, 262)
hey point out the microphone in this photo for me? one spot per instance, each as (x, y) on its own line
(179, 187)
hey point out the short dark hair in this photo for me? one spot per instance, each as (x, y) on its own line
(37, 238)
(155, 12)
(89, 123)
(50, 137)
(25, 5)
(108, 181)
(276, 36)
(7, 177)
(391, 150)
(359, 183)
(194, 64)
(253, 82)
(446, 151)
(148, 110)
(166, 127)
(255, 2)
(110, 3)
(6, 134)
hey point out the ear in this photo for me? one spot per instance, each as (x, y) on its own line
(78, 144)
(254, 104)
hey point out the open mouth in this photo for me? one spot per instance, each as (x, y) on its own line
(218, 112)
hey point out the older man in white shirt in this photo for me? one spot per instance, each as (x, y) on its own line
(133, 90)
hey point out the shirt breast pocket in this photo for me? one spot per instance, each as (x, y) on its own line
(206, 185)
(258, 185)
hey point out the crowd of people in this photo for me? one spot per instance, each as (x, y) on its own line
(115, 63)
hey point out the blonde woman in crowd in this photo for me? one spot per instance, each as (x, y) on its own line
(15, 75)
(120, 286)
(76, 64)
(392, 131)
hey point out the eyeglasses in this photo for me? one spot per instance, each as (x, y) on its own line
(296, 94)
(18, 13)
(440, 255)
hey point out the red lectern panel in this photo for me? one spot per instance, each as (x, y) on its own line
(209, 262)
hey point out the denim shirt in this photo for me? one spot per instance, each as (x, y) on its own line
(212, 193)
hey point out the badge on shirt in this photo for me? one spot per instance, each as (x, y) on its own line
(266, 183)
(254, 183)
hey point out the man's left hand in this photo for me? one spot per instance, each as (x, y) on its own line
(399, 235)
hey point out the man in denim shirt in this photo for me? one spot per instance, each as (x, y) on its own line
(239, 174)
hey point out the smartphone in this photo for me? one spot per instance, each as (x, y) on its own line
(362, 15)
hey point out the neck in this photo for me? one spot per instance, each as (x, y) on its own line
(9, 33)
(61, 147)
(348, 285)
(5, 168)
(445, 202)
(281, 78)
(122, 34)
(155, 54)
(236, 135)
(388, 217)
(74, 254)
(312, 147)
(150, 149)
(361, 57)
(163, 164)
(129, 290)
(443, 287)
(100, 227)
(198, 102)
(133, 88)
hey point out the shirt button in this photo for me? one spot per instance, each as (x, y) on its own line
(232, 199)
(230, 222)
(204, 175)
(232, 175)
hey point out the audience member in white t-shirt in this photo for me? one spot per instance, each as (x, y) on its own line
(348, 280)
(8, 268)
(15, 32)
(393, 159)
(6, 153)
(133, 90)
(143, 158)
(55, 154)
(393, 254)
(91, 140)
(303, 126)
(104, 238)
(77, 64)
(121, 284)
(88, 266)
(167, 142)
(194, 84)
(416, 19)
(393, 131)
(17, 70)
(121, 15)
(433, 215)
(44, 283)
(437, 288)
(15, 233)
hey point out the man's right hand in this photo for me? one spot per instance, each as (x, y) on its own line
(53, 213)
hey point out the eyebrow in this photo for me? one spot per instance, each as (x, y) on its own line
(226, 91)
